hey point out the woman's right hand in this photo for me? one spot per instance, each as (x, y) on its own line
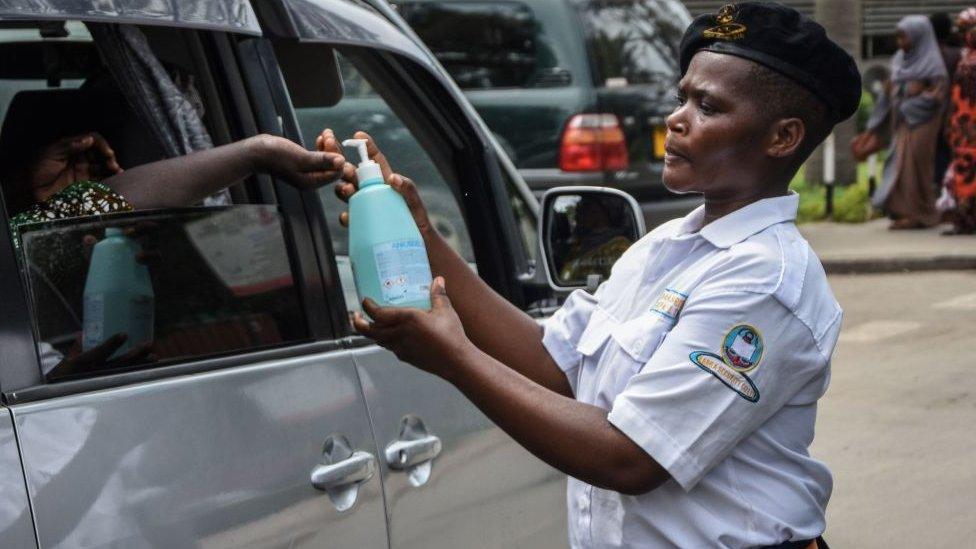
(348, 183)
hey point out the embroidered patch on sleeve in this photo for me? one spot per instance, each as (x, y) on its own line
(735, 380)
(669, 304)
(742, 351)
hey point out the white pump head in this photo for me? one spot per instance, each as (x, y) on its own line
(368, 172)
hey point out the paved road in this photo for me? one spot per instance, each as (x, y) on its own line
(898, 424)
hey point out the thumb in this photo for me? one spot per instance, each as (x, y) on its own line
(438, 295)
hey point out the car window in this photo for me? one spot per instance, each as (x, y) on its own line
(633, 41)
(362, 108)
(488, 44)
(112, 290)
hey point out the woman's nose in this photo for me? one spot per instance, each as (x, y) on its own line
(676, 122)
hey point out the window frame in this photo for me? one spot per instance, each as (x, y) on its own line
(20, 372)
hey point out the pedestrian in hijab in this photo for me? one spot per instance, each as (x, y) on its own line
(912, 106)
(960, 178)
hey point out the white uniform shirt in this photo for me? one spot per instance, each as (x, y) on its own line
(709, 347)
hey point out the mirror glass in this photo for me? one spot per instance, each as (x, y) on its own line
(585, 233)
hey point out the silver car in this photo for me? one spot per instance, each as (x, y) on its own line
(259, 419)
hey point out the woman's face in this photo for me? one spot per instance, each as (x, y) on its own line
(714, 132)
(904, 42)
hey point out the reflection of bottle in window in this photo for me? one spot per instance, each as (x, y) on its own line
(118, 295)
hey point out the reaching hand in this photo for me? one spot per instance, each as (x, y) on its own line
(426, 339)
(349, 184)
(97, 358)
(69, 159)
(289, 161)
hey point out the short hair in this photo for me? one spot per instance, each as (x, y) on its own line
(781, 97)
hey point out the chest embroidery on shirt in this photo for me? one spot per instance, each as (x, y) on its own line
(742, 351)
(669, 304)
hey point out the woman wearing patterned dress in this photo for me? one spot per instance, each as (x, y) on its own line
(960, 178)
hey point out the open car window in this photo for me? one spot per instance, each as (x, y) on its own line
(111, 289)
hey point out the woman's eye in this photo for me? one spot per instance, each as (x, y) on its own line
(680, 99)
(705, 108)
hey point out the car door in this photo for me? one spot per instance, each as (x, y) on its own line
(16, 524)
(246, 427)
(451, 478)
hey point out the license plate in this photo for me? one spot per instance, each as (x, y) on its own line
(660, 134)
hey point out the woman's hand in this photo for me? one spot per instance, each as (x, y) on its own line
(289, 161)
(427, 339)
(349, 183)
(76, 158)
(97, 358)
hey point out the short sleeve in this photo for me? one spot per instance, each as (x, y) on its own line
(731, 361)
(562, 331)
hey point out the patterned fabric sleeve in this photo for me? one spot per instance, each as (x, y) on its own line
(79, 199)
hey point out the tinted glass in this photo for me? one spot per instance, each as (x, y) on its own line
(487, 45)
(180, 283)
(633, 41)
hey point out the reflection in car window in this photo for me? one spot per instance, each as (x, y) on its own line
(361, 108)
(487, 45)
(176, 283)
(633, 41)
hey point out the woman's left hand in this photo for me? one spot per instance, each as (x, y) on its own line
(289, 161)
(430, 340)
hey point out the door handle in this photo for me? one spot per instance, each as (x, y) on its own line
(404, 454)
(356, 469)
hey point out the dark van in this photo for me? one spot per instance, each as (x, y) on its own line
(576, 91)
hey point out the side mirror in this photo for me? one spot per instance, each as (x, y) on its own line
(584, 231)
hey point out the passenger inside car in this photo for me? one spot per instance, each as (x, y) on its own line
(87, 132)
(65, 180)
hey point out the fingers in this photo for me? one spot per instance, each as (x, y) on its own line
(415, 204)
(75, 144)
(344, 219)
(101, 145)
(375, 154)
(438, 294)
(100, 353)
(361, 325)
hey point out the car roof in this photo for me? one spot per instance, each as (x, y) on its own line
(226, 15)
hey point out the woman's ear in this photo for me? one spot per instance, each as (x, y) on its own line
(785, 137)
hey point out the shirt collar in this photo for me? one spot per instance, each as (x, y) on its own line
(742, 223)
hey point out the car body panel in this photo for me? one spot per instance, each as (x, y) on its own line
(219, 459)
(222, 15)
(16, 522)
(484, 489)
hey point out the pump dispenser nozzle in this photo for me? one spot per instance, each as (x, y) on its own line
(368, 172)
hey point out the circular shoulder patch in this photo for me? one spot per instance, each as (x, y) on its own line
(743, 348)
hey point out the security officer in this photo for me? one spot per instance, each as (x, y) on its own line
(680, 397)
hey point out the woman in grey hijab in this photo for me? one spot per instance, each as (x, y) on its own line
(911, 110)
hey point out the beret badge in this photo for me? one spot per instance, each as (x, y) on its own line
(727, 28)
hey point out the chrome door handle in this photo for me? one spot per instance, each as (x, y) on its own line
(356, 469)
(404, 454)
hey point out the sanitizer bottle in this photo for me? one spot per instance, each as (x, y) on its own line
(118, 294)
(389, 260)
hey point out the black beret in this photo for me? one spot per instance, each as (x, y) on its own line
(784, 40)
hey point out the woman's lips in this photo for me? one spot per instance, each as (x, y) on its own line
(672, 155)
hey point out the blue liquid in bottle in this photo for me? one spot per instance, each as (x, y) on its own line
(388, 256)
(118, 294)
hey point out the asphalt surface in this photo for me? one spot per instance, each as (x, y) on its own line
(898, 424)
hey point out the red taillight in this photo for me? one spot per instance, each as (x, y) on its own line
(593, 143)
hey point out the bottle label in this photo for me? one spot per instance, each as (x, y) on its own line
(94, 321)
(403, 270)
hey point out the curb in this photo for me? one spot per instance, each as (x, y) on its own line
(899, 265)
